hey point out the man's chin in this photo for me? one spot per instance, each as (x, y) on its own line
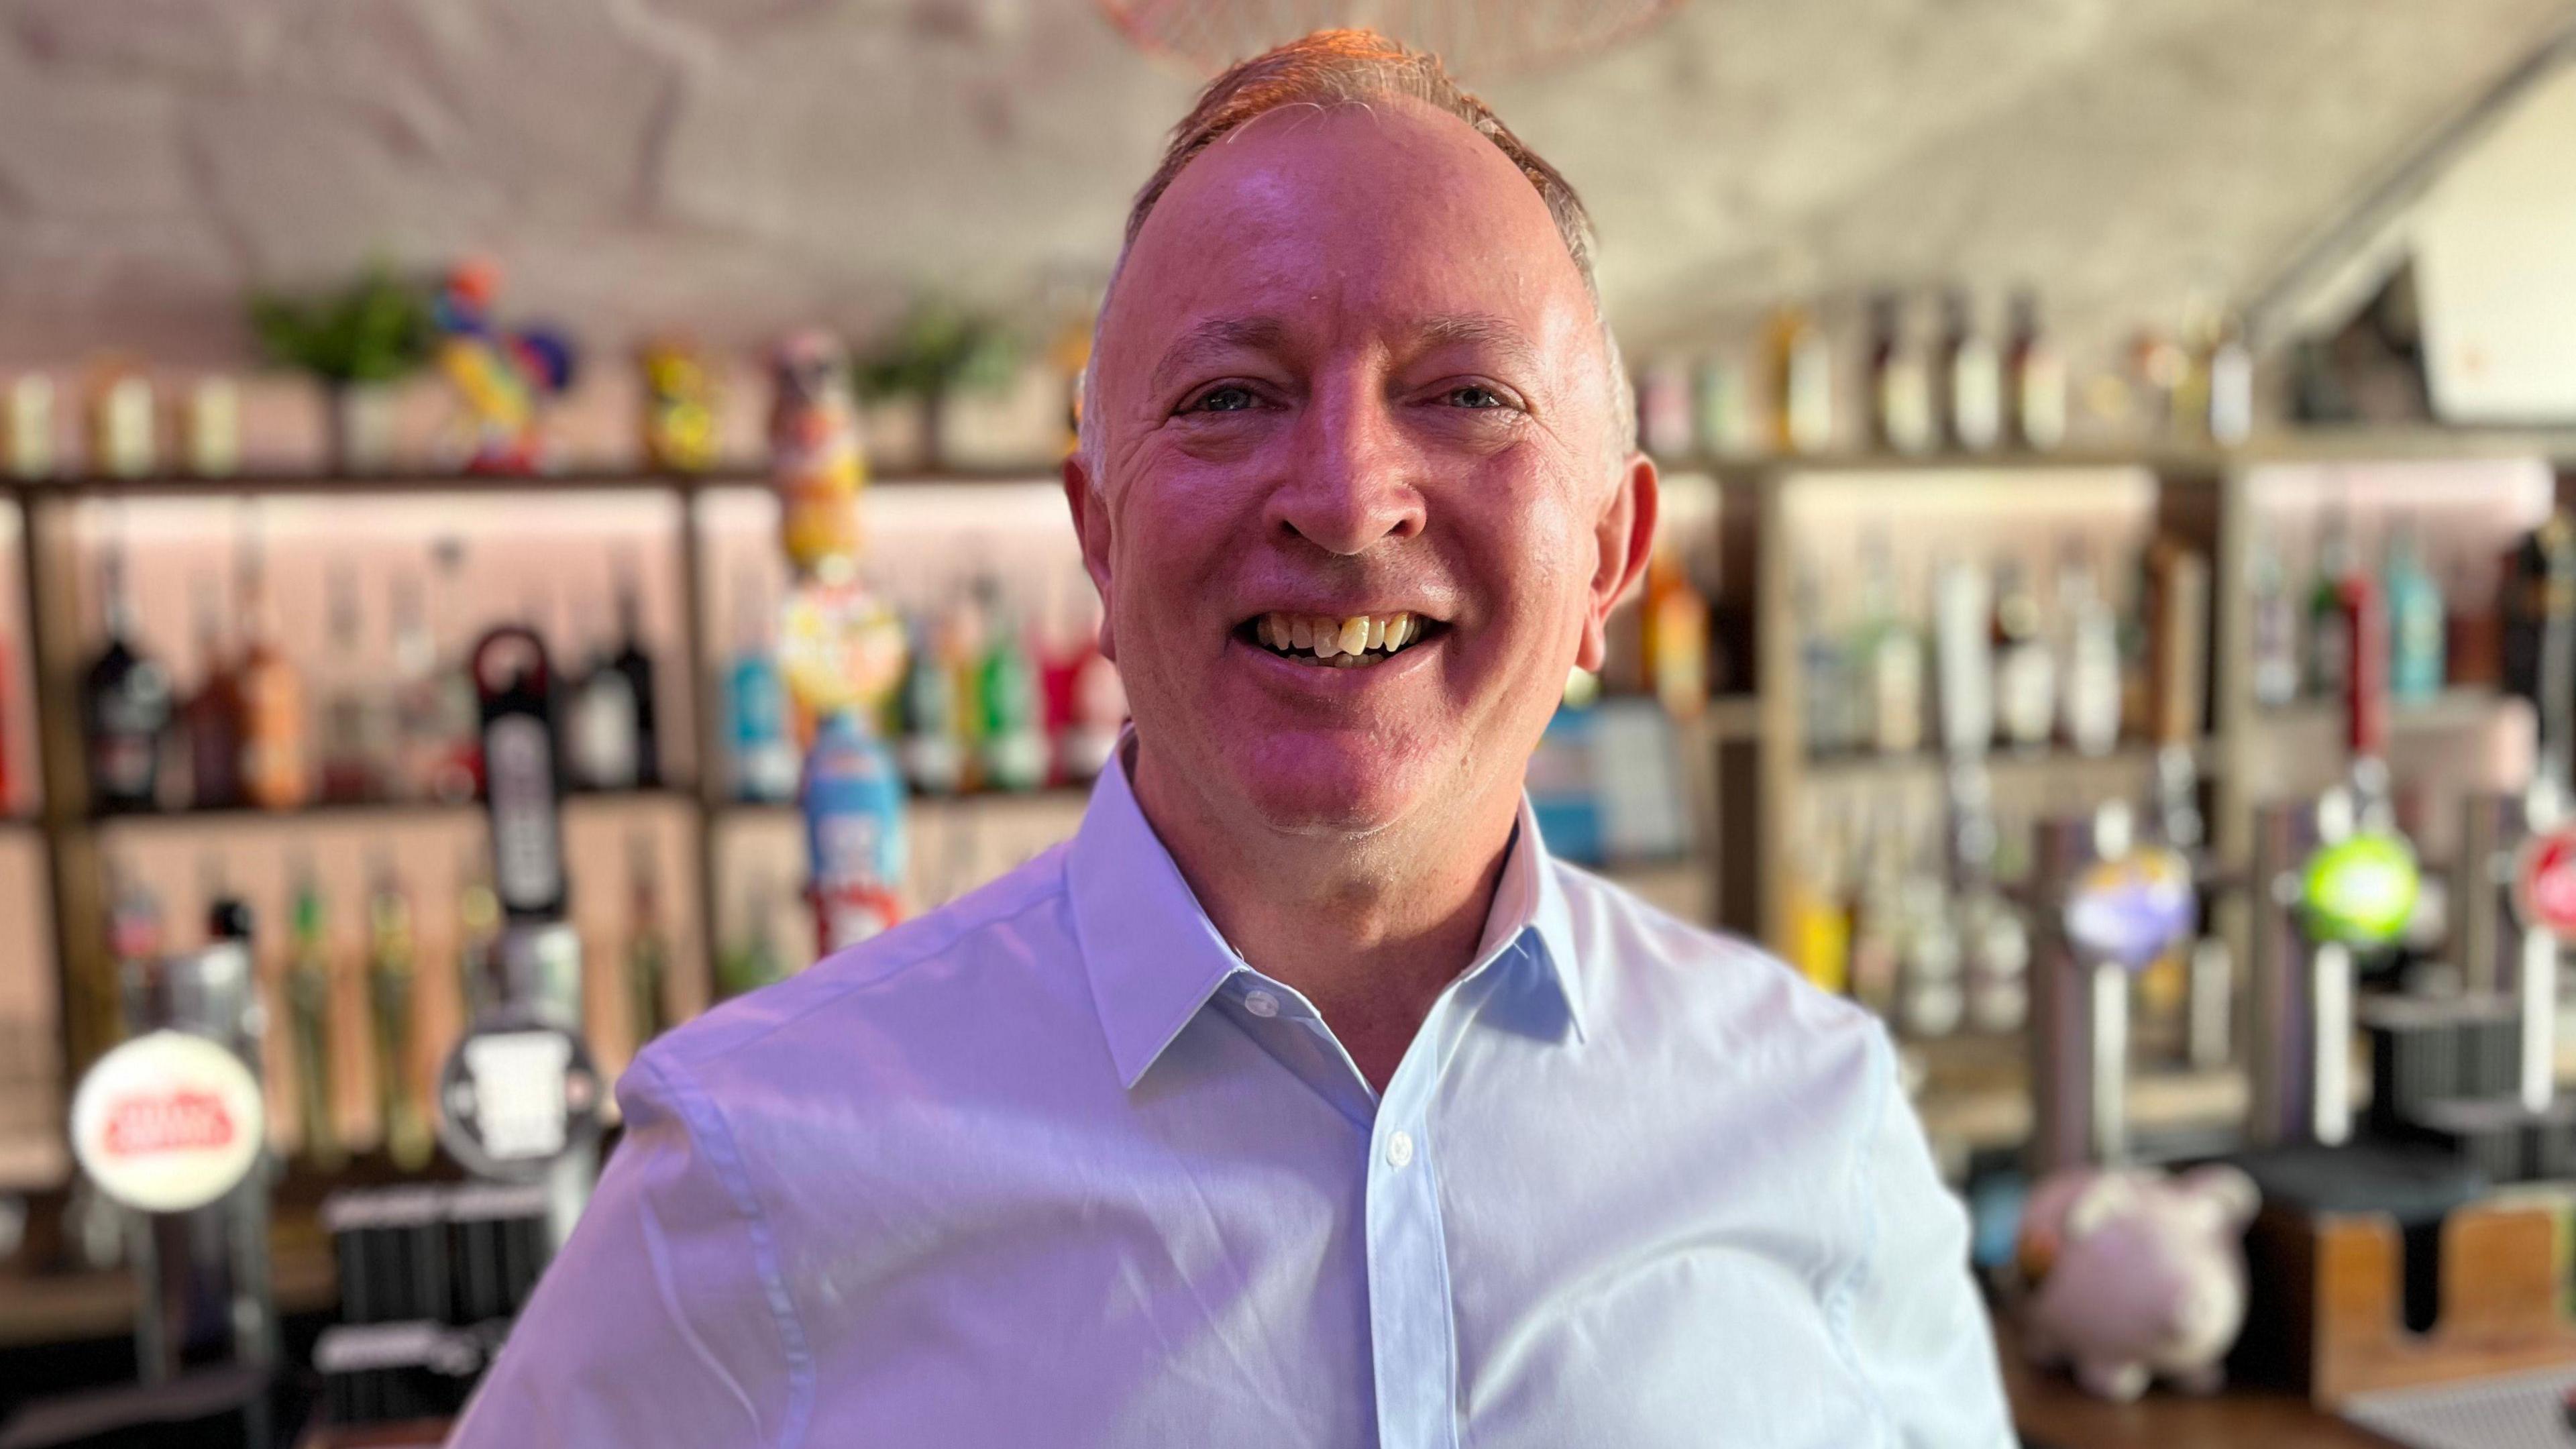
(1354, 790)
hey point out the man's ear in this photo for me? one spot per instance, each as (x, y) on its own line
(1091, 526)
(1623, 540)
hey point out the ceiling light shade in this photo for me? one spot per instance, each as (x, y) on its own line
(1481, 40)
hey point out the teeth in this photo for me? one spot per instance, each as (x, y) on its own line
(1344, 643)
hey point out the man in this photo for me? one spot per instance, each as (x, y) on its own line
(1301, 1100)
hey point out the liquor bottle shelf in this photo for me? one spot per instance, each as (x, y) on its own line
(188, 485)
(358, 810)
(2453, 709)
(2133, 757)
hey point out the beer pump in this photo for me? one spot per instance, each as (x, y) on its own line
(519, 1095)
(170, 1126)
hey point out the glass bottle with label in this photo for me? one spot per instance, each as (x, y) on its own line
(1824, 668)
(1900, 383)
(351, 751)
(308, 1001)
(2272, 615)
(763, 753)
(633, 661)
(2089, 665)
(392, 993)
(275, 768)
(602, 725)
(648, 943)
(2034, 382)
(1969, 378)
(1802, 383)
(2416, 623)
(2329, 646)
(1890, 651)
(212, 718)
(2025, 671)
(125, 704)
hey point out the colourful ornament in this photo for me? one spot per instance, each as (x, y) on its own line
(815, 456)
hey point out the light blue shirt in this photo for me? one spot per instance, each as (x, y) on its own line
(1054, 1166)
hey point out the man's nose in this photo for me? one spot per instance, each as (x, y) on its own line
(1352, 483)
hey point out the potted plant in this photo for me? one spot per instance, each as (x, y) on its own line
(938, 350)
(358, 340)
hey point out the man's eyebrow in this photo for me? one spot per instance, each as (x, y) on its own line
(1214, 337)
(1477, 329)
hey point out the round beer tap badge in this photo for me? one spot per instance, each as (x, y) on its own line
(167, 1122)
(2544, 881)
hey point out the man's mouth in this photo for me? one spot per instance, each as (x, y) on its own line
(1355, 641)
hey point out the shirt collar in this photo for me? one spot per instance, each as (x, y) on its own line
(1154, 957)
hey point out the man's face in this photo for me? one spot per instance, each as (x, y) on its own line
(1351, 373)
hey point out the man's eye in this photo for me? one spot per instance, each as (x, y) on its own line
(1472, 396)
(1223, 400)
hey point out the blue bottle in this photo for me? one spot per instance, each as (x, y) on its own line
(854, 832)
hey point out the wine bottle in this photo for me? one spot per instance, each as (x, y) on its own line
(125, 704)
(2329, 632)
(2273, 619)
(2415, 620)
(2025, 671)
(308, 999)
(212, 718)
(349, 747)
(393, 993)
(1969, 380)
(276, 772)
(1900, 382)
(763, 754)
(2034, 382)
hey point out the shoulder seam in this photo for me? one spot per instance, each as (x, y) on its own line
(707, 1124)
(896, 968)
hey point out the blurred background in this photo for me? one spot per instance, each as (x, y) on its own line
(2049, 392)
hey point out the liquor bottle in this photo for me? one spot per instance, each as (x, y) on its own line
(931, 723)
(1726, 420)
(2415, 620)
(1900, 382)
(1878, 926)
(1825, 669)
(1963, 659)
(624, 676)
(1890, 652)
(1013, 754)
(1968, 378)
(125, 705)
(308, 1000)
(1675, 616)
(1098, 715)
(350, 749)
(1820, 936)
(2473, 651)
(752, 961)
(212, 717)
(27, 426)
(1802, 383)
(392, 995)
(2329, 634)
(2273, 619)
(275, 770)
(2034, 382)
(2025, 671)
(452, 721)
(2089, 662)
(852, 796)
(2230, 371)
(648, 943)
(762, 752)
(603, 725)
(1664, 409)
(122, 437)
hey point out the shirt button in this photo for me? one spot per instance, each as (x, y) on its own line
(1261, 1003)
(1399, 1149)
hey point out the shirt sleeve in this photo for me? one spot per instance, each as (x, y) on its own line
(1917, 1324)
(662, 1321)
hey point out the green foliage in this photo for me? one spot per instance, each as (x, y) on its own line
(940, 347)
(376, 329)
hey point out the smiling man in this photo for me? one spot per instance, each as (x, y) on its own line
(1301, 1100)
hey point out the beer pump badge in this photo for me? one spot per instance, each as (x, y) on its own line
(168, 1122)
(2360, 891)
(515, 1096)
(2544, 882)
(2131, 909)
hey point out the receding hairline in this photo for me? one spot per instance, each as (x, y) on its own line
(1331, 70)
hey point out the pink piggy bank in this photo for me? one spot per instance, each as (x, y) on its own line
(2136, 1275)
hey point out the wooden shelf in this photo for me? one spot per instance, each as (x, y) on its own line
(184, 485)
(389, 810)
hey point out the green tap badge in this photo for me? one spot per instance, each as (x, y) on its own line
(2360, 891)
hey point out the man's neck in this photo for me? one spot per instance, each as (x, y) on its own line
(1371, 930)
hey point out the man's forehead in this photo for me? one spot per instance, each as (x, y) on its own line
(1211, 337)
